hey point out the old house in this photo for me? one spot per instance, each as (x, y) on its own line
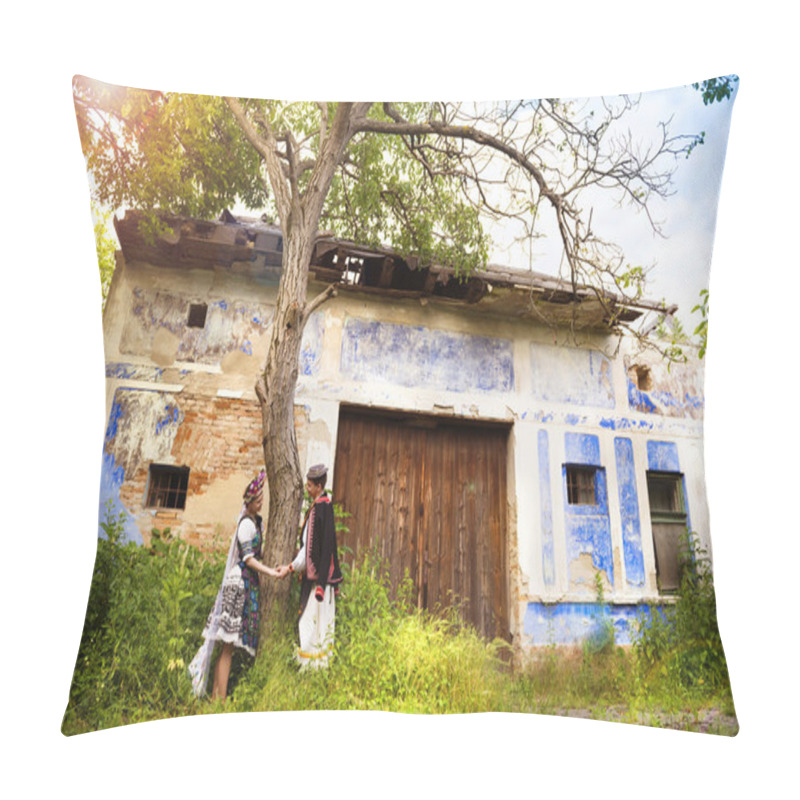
(492, 438)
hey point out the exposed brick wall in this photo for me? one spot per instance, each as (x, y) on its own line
(218, 436)
(217, 439)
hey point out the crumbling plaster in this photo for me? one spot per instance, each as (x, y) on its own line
(548, 386)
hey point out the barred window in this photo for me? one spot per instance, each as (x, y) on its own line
(166, 486)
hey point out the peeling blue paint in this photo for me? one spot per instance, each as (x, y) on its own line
(572, 419)
(573, 623)
(415, 356)
(582, 448)
(663, 457)
(113, 420)
(111, 479)
(639, 400)
(588, 527)
(247, 347)
(629, 512)
(172, 416)
(571, 375)
(652, 402)
(311, 346)
(623, 424)
(123, 371)
(545, 496)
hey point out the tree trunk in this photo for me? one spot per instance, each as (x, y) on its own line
(275, 390)
(299, 213)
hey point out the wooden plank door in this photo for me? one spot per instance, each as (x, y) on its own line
(430, 496)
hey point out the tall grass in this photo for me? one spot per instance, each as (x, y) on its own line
(679, 659)
(147, 608)
(144, 618)
(388, 655)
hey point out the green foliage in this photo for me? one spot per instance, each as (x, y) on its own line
(186, 155)
(144, 619)
(678, 648)
(395, 191)
(701, 331)
(672, 339)
(106, 246)
(176, 153)
(601, 639)
(388, 655)
(147, 608)
(717, 89)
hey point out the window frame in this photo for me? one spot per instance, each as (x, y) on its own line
(195, 309)
(155, 492)
(574, 486)
(678, 516)
(668, 515)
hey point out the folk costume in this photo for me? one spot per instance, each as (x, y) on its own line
(234, 617)
(318, 560)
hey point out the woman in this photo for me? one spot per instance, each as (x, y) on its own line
(234, 619)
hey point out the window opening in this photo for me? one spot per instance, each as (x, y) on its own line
(581, 486)
(167, 486)
(197, 315)
(642, 377)
(669, 522)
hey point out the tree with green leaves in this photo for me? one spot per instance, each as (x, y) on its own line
(106, 249)
(713, 90)
(422, 179)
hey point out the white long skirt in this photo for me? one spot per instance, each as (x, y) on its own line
(317, 625)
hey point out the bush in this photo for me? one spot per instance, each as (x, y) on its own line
(678, 647)
(388, 655)
(147, 609)
(144, 620)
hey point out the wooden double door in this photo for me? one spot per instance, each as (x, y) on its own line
(430, 495)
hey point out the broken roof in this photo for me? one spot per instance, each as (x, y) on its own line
(254, 246)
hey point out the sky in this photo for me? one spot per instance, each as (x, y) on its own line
(679, 258)
(53, 413)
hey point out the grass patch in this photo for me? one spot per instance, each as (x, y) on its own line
(147, 608)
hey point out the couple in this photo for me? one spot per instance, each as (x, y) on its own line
(234, 619)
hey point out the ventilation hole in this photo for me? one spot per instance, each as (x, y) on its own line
(197, 315)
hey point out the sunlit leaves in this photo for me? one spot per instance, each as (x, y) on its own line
(182, 154)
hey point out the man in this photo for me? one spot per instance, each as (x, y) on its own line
(318, 562)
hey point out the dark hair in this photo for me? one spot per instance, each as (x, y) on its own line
(319, 481)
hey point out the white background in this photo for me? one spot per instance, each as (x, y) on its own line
(53, 403)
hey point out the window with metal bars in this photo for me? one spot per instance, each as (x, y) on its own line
(581, 485)
(166, 486)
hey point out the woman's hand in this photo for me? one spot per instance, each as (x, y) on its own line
(273, 573)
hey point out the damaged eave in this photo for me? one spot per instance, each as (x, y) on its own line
(199, 244)
(256, 248)
(498, 290)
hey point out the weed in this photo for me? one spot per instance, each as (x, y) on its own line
(147, 608)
